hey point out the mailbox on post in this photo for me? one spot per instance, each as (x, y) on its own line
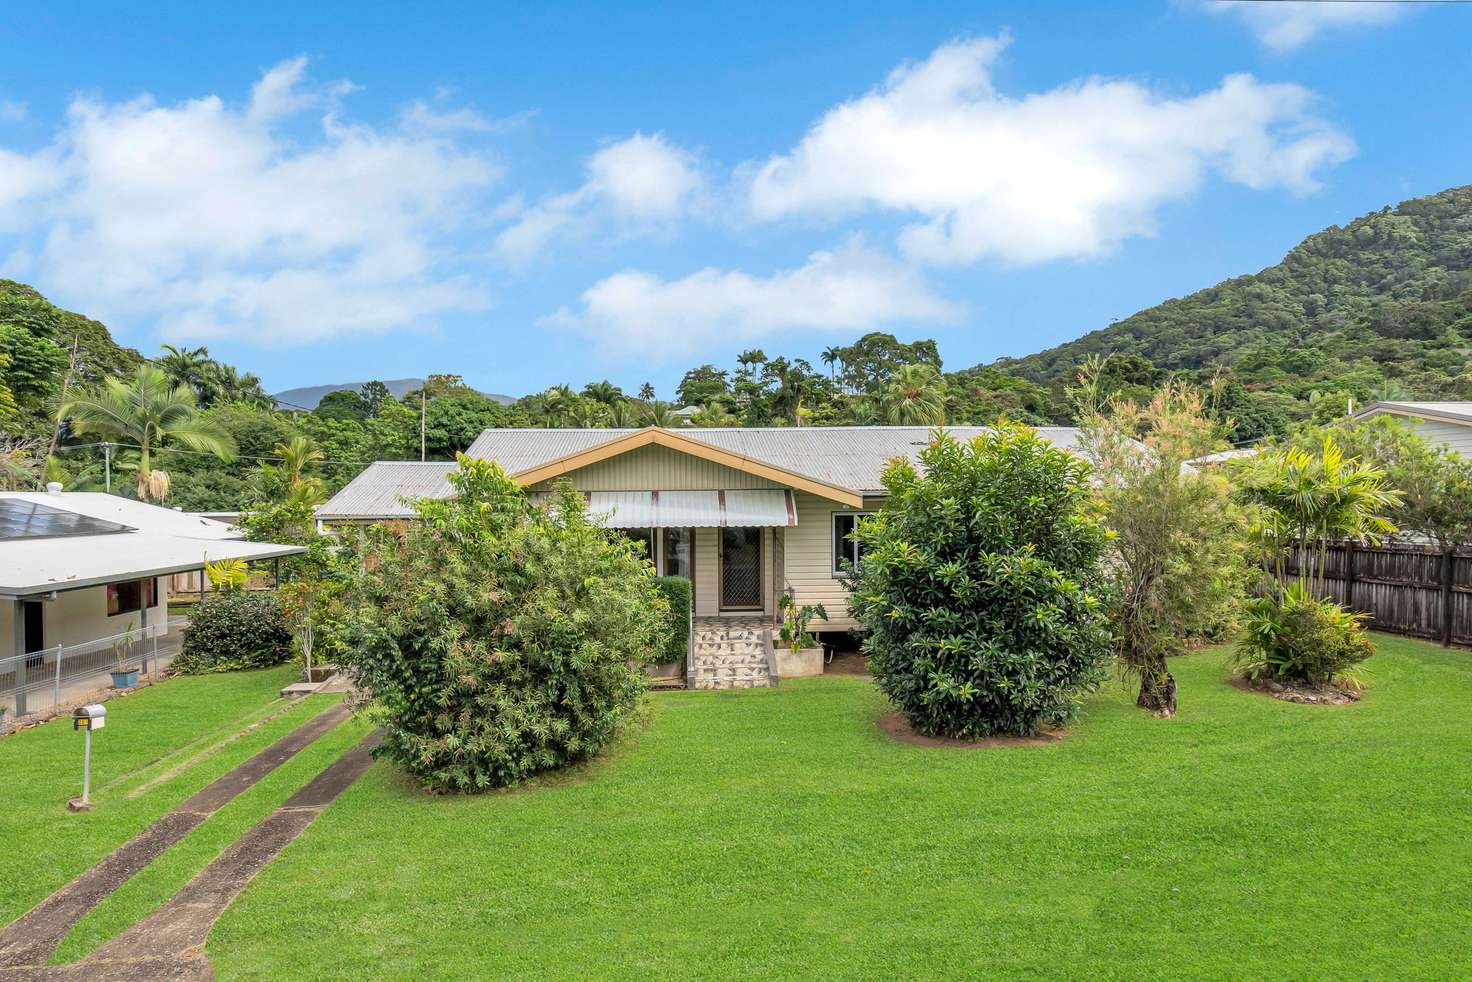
(92, 717)
(89, 718)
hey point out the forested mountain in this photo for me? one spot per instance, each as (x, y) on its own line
(1381, 307)
(308, 396)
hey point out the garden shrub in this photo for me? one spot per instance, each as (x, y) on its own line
(501, 639)
(679, 595)
(232, 631)
(1302, 638)
(977, 586)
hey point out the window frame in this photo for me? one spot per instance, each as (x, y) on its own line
(850, 545)
(147, 596)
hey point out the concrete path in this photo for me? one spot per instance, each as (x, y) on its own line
(32, 938)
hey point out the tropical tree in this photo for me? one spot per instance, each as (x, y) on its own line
(749, 359)
(605, 392)
(622, 414)
(832, 357)
(1309, 499)
(147, 413)
(190, 367)
(915, 396)
(662, 414)
(646, 392)
(1177, 553)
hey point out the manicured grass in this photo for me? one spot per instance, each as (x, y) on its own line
(778, 833)
(148, 734)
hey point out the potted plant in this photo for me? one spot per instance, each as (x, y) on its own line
(798, 652)
(125, 670)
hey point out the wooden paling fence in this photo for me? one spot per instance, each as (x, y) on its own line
(1421, 591)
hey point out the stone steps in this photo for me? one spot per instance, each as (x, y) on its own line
(729, 655)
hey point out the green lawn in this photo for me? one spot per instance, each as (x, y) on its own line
(776, 833)
(149, 734)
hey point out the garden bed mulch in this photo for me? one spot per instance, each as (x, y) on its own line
(1307, 695)
(898, 727)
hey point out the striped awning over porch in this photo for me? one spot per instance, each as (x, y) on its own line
(694, 509)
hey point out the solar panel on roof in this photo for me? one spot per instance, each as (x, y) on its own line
(22, 519)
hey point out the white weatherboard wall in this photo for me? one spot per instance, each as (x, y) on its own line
(808, 557)
(1454, 436)
(78, 616)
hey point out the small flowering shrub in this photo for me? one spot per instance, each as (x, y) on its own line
(976, 585)
(499, 638)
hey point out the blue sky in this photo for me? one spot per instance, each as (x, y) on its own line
(529, 194)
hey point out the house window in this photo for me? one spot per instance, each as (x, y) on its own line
(846, 551)
(678, 552)
(127, 598)
(644, 537)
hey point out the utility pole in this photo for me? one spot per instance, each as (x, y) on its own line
(421, 420)
(107, 466)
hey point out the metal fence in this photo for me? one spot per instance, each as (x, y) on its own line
(43, 680)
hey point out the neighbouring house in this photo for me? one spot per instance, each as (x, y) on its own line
(744, 513)
(79, 570)
(1448, 424)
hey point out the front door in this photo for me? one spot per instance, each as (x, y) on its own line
(32, 613)
(741, 569)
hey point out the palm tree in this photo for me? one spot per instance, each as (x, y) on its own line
(299, 453)
(646, 392)
(832, 357)
(750, 358)
(622, 415)
(915, 396)
(605, 392)
(192, 367)
(662, 414)
(146, 413)
(1309, 499)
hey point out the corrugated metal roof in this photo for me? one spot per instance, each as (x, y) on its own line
(1458, 411)
(378, 491)
(852, 457)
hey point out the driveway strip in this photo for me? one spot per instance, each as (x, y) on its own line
(32, 938)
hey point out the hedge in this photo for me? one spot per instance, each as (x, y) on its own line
(232, 631)
(678, 592)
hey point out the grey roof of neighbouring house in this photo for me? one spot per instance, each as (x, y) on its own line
(852, 457)
(378, 491)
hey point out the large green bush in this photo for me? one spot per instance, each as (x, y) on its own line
(1302, 638)
(977, 587)
(679, 595)
(231, 631)
(501, 639)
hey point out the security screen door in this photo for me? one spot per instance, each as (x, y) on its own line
(741, 569)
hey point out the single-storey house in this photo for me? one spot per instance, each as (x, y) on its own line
(744, 513)
(1448, 424)
(80, 569)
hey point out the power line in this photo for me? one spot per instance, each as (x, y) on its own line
(206, 453)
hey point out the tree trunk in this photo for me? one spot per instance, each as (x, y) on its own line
(1157, 689)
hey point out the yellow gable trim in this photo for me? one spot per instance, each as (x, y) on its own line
(653, 435)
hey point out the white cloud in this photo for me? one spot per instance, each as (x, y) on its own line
(211, 220)
(1287, 24)
(849, 289)
(1071, 171)
(642, 184)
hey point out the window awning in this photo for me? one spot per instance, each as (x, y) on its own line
(694, 509)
